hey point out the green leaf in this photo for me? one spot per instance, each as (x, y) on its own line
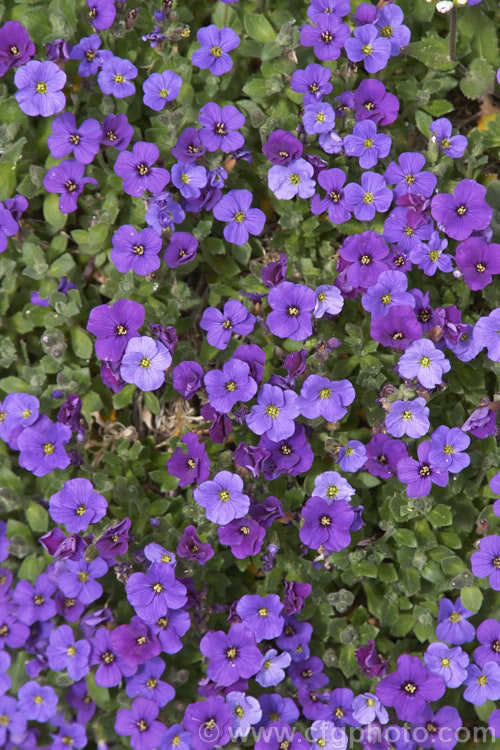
(472, 598)
(37, 517)
(52, 214)
(402, 625)
(422, 121)
(258, 27)
(81, 343)
(440, 515)
(405, 537)
(151, 402)
(478, 80)
(433, 52)
(124, 397)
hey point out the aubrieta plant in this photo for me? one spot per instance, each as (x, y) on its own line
(250, 340)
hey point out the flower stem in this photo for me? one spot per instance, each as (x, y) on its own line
(453, 40)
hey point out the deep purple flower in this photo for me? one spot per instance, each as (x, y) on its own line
(101, 14)
(478, 261)
(409, 688)
(452, 622)
(16, 47)
(42, 447)
(488, 634)
(295, 596)
(274, 413)
(371, 196)
(408, 418)
(292, 306)
(40, 87)
(68, 139)
(115, 77)
(366, 45)
(407, 176)
(70, 414)
(483, 683)
(292, 455)
(77, 505)
(235, 318)
(464, 211)
(188, 147)
(114, 326)
(160, 88)
(335, 202)
(116, 132)
(187, 378)
(327, 37)
(67, 179)
(219, 126)
(422, 360)
(234, 208)
(139, 723)
(313, 81)
(37, 702)
(231, 656)
(192, 548)
(282, 147)
(370, 662)
(152, 593)
(137, 170)
(363, 255)
(255, 358)
(222, 498)
(234, 383)
(250, 458)
(215, 47)
(447, 446)
(420, 475)
(79, 579)
(397, 329)
(136, 251)
(486, 562)
(326, 398)
(193, 466)
(181, 249)
(368, 145)
(261, 615)
(64, 652)
(439, 730)
(244, 535)
(372, 101)
(486, 334)
(111, 665)
(92, 58)
(221, 425)
(449, 663)
(452, 146)
(326, 524)
(209, 722)
(115, 540)
(135, 642)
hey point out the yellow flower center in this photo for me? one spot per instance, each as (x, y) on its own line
(41, 87)
(224, 496)
(215, 51)
(272, 411)
(425, 362)
(118, 78)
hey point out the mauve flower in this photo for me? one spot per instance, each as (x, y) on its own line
(222, 498)
(292, 306)
(190, 467)
(313, 81)
(40, 87)
(192, 548)
(115, 77)
(136, 251)
(160, 88)
(486, 562)
(478, 261)
(397, 329)
(463, 212)
(366, 45)
(230, 656)
(116, 132)
(66, 138)
(187, 378)
(92, 58)
(138, 172)
(326, 524)
(420, 475)
(327, 37)
(235, 318)
(215, 47)
(152, 593)
(335, 201)
(77, 505)
(295, 595)
(242, 221)
(244, 535)
(219, 126)
(372, 101)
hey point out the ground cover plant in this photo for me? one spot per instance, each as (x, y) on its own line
(250, 340)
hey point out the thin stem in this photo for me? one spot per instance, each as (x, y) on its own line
(453, 41)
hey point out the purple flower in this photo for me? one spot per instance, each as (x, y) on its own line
(136, 251)
(181, 249)
(463, 212)
(14, 722)
(447, 446)
(452, 146)
(383, 455)
(326, 398)
(341, 706)
(40, 87)
(102, 13)
(420, 475)
(68, 180)
(33, 601)
(138, 172)
(390, 26)
(135, 642)
(318, 117)
(189, 179)
(326, 524)
(193, 466)
(282, 147)
(407, 176)
(372, 101)
(422, 360)
(452, 622)
(292, 455)
(483, 683)
(116, 132)
(389, 290)
(409, 688)
(64, 652)
(70, 414)
(144, 362)
(313, 81)
(42, 447)
(296, 594)
(111, 665)
(147, 684)
(482, 422)
(188, 147)
(366, 144)
(398, 328)
(234, 383)
(371, 196)
(438, 730)
(488, 634)
(366, 45)
(244, 535)
(235, 318)
(8, 227)
(486, 562)
(115, 77)
(77, 505)
(222, 498)
(114, 326)
(219, 126)
(160, 88)
(192, 548)
(246, 711)
(335, 202)
(79, 579)
(261, 615)
(408, 418)
(18, 410)
(363, 254)
(234, 208)
(370, 662)
(352, 457)
(37, 702)
(115, 540)
(152, 593)
(292, 306)
(478, 261)
(431, 257)
(92, 58)
(486, 334)
(274, 412)
(81, 142)
(215, 47)
(408, 229)
(187, 378)
(449, 663)
(139, 723)
(327, 37)
(294, 178)
(209, 722)
(16, 47)
(231, 656)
